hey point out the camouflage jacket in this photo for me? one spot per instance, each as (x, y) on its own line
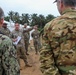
(26, 33)
(35, 34)
(58, 54)
(6, 31)
(8, 58)
(15, 34)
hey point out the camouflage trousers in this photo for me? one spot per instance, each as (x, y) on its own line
(21, 54)
(37, 45)
(26, 45)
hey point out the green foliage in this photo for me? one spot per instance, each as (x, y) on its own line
(49, 17)
(25, 18)
(7, 18)
(32, 19)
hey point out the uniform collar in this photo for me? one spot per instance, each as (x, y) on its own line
(69, 10)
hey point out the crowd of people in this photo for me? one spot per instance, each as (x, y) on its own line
(16, 45)
(23, 43)
(58, 53)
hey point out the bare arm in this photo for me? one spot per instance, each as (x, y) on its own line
(28, 29)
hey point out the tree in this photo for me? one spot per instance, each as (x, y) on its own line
(41, 21)
(11, 15)
(25, 18)
(34, 19)
(7, 18)
(49, 17)
(16, 17)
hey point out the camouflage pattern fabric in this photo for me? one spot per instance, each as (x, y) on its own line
(6, 31)
(26, 34)
(26, 38)
(58, 55)
(36, 39)
(20, 46)
(8, 57)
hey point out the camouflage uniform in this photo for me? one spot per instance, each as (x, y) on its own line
(8, 58)
(58, 55)
(26, 37)
(20, 46)
(6, 31)
(36, 40)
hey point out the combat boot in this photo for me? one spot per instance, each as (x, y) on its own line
(27, 54)
(27, 65)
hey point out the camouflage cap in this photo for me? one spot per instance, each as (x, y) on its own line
(4, 23)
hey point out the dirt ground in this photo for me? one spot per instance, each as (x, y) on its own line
(33, 59)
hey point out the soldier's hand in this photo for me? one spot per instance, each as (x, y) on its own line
(35, 26)
(14, 40)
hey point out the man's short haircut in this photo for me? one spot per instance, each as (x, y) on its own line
(25, 24)
(16, 23)
(69, 2)
(1, 13)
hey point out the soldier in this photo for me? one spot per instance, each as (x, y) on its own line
(26, 36)
(5, 30)
(36, 39)
(8, 56)
(58, 55)
(17, 32)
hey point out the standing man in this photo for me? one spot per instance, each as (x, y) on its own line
(26, 33)
(8, 56)
(5, 30)
(58, 55)
(36, 39)
(17, 32)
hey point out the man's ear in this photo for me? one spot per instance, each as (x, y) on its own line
(1, 21)
(61, 5)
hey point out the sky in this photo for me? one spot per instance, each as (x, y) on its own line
(43, 7)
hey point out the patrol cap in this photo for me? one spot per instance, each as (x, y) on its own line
(55, 1)
(4, 23)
